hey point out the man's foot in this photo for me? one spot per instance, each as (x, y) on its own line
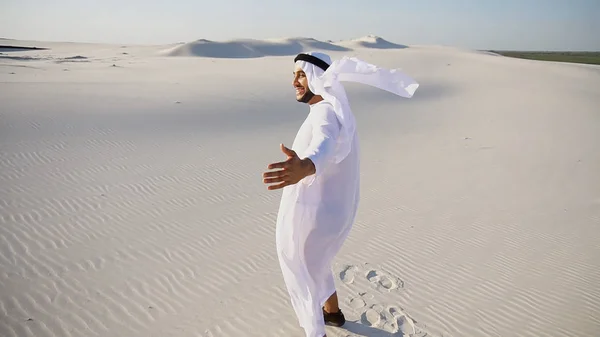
(336, 319)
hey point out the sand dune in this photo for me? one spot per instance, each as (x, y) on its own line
(249, 48)
(132, 202)
(371, 41)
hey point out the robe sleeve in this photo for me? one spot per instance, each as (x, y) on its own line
(325, 132)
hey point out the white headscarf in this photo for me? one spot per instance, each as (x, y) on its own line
(351, 69)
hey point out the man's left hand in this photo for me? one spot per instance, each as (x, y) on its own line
(293, 169)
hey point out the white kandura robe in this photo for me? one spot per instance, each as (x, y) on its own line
(316, 216)
(317, 213)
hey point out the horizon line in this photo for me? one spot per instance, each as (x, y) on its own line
(241, 39)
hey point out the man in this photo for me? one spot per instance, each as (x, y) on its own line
(320, 182)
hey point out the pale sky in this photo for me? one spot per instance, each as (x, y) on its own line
(477, 24)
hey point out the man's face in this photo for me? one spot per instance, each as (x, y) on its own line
(303, 93)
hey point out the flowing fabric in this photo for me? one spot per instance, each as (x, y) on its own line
(351, 69)
(316, 214)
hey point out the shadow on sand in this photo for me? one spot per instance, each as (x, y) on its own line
(367, 331)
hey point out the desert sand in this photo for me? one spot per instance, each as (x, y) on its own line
(132, 202)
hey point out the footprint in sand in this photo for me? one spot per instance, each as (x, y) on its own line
(384, 280)
(371, 317)
(370, 286)
(390, 319)
(397, 321)
(357, 303)
(360, 301)
(348, 274)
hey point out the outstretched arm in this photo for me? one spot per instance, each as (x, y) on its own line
(325, 131)
(293, 169)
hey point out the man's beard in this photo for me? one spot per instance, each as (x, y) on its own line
(308, 95)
